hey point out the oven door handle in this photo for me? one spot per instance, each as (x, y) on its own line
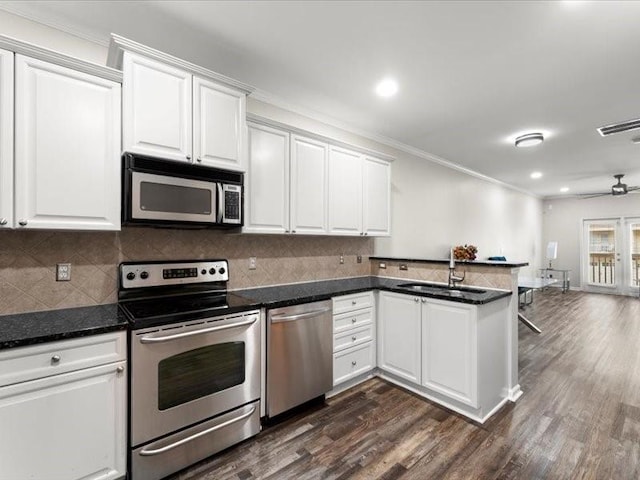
(299, 316)
(149, 453)
(177, 336)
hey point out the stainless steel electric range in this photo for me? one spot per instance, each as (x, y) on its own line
(194, 364)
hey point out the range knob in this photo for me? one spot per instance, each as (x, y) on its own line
(221, 271)
(131, 276)
(212, 271)
(144, 275)
(203, 271)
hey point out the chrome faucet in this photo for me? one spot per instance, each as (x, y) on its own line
(453, 278)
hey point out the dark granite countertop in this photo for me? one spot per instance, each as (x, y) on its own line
(38, 327)
(482, 263)
(293, 294)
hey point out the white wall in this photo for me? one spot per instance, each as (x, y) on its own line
(433, 207)
(562, 222)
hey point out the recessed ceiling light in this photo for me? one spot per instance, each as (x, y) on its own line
(535, 175)
(564, 189)
(387, 88)
(529, 140)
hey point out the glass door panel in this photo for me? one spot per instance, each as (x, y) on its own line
(632, 227)
(602, 253)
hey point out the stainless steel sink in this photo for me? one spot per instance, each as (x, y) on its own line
(439, 288)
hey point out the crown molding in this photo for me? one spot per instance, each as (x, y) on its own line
(15, 8)
(279, 102)
(119, 45)
(40, 53)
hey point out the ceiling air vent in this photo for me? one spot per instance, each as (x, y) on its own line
(619, 127)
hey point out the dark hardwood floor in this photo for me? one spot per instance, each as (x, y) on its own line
(579, 417)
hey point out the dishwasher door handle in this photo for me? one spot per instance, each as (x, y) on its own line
(298, 316)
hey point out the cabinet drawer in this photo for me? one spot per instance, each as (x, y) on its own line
(352, 337)
(355, 301)
(352, 362)
(358, 318)
(28, 363)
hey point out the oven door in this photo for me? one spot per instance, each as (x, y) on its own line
(184, 373)
(167, 198)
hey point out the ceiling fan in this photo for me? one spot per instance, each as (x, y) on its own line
(616, 189)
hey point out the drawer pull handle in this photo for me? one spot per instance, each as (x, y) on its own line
(353, 302)
(353, 320)
(55, 359)
(353, 363)
(353, 339)
(120, 369)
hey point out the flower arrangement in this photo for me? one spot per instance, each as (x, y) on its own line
(465, 252)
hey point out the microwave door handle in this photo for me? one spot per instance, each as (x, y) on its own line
(220, 203)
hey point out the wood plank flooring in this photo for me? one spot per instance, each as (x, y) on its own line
(579, 416)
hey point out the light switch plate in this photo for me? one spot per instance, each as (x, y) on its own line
(252, 263)
(63, 272)
(359, 259)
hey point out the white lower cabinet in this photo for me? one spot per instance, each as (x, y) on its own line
(65, 426)
(399, 335)
(451, 352)
(353, 334)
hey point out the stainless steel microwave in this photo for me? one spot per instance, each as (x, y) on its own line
(163, 193)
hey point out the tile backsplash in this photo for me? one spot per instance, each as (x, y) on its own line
(28, 261)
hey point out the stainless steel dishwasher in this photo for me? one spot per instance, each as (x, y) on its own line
(299, 355)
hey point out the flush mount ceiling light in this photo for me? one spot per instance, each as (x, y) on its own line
(564, 189)
(529, 140)
(535, 175)
(387, 88)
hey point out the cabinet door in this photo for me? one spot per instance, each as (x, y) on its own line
(376, 197)
(345, 192)
(218, 125)
(156, 109)
(267, 181)
(308, 185)
(64, 427)
(399, 335)
(449, 350)
(67, 148)
(6, 139)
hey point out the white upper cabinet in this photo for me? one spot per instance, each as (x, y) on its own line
(309, 160)
(6, 139)
(157, 118)
(170, 113)
(303, 185)
(345, 192)
(218, 125)
(267, 181)
(67, 148)
(376, 181)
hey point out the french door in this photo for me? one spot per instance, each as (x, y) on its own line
(611, 255)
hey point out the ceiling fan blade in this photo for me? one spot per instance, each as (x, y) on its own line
(631, 189)
(584, 196)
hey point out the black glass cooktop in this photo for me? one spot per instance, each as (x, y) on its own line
(163, 310)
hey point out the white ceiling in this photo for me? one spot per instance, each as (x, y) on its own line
(472, 74)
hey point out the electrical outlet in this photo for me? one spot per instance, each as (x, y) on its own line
(63, 272)
(341, 259)
(403, 266)
(382, 265)
(252, 263)
(359, 259)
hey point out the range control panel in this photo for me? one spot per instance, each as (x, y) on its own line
(136, 275)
